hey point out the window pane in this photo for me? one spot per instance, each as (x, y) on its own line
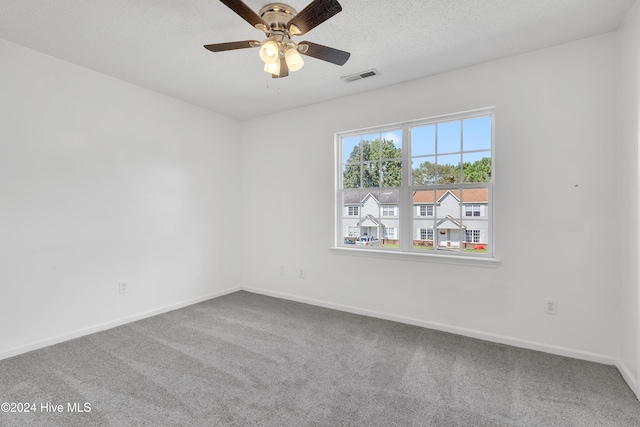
(371, 175)
(448, 169)
(476, 236)
(423, 140)
(351, 176)
(351, 149)
(423, 202)
(449, 233)
(392, 144)
(350, 216)
(476, 134)
(477, 166)
(371, 147)
(448, 137)
(423, 170)
(423, 236)
(391, 173)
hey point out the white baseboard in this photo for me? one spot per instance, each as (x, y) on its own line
(628, 377)
(112, 324)
(472, 333)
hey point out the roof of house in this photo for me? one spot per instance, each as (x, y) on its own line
(448, 223)
(472, 195)
(368, 221)
(383, 196)
(392, 197)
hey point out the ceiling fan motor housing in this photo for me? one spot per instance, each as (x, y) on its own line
(277, 15)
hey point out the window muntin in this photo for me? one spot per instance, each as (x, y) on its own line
(440, 170)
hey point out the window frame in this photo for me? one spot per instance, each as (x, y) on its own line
(406, 208)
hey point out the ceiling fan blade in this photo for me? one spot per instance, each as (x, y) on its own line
(246, 13)
(221, 47)
(313, 15)
(325, 53)
(284, 70)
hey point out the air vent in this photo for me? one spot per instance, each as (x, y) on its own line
(359, 76)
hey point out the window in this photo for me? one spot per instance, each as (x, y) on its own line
(425, 210)
(416, 177)
(425, 234)
(389, 210)
(352, 231)
(472, 236)
(472, 210)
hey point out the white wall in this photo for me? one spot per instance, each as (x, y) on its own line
(629, 98)
(103, 182)
(555, 189)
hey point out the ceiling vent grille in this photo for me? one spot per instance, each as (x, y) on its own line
(359, 76)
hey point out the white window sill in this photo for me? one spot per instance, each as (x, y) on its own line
(475, 261)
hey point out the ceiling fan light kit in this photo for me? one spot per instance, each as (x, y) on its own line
(280, 22)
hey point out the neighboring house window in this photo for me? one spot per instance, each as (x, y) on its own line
(352, 231)
(353, 211)
(473, 236)
(391, 233)
(439, 171)
(472, 210)
(389, 210)
(425, 234)
(425, 210)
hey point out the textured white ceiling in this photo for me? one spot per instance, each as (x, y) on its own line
(157, 44)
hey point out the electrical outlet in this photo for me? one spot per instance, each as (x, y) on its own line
(551, 306)
(123, 288)
(301, 274)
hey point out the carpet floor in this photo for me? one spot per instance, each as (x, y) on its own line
(251, 360)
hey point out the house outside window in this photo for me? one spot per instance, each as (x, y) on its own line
(429, 180)
(391, 233)
(352, 210)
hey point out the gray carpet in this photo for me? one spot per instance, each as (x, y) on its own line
(251, 360)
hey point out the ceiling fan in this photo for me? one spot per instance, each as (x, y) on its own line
(280, 22)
